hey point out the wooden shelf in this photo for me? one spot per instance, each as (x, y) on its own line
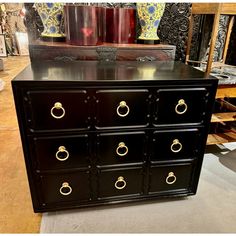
(221, 117)
(212, 8)
(224, 136)
(220, 138)
(228, 90)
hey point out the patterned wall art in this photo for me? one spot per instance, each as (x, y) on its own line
(174, 28)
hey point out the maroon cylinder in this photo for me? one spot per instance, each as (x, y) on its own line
(120, 25)
(83, 25)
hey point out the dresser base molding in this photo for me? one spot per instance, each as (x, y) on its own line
(131, 200)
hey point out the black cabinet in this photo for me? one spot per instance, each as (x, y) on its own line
(111, 138)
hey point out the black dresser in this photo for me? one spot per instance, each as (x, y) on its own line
(97, 133)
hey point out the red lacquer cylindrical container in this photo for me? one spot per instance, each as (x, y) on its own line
(83, 25)
(120, 25)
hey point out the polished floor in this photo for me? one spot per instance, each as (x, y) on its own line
(16, 212)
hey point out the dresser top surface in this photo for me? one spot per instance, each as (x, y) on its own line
(97, 71)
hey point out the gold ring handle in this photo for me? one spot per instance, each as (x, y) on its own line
(174, 144)
(62, 149)
(122, 145)
(65, 185)
(122, 105)
(122, 181)
(58, 105)
(181, 103)
(170, 176)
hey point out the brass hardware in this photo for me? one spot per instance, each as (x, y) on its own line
(170, 175)
(181, 102)
(62, 149)
(120, 146)
(174, 144)
(120, 180)
(58, 105)
(122, 105)
(65, 185)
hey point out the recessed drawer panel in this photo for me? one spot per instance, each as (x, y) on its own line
(120, 182)
(52, 110)
(122, 108)
(61, 152)
(170, 177)
(175, 144)
(58, 188)
(121, 148)
(180, 106)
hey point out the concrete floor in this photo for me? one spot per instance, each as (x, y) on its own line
(16, 212)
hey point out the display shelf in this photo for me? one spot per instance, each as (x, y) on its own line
(223, 117)
(224, 91)
(220, 138)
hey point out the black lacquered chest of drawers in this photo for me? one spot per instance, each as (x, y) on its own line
(97, 133)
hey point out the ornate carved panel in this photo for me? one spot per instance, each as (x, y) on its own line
(33, 22)
(174, 26)
(205, 42)
(106, 53)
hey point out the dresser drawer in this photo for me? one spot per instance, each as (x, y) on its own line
(180, 106)
(121, 148)
(52, 110)
(60, 152)
(175, 144)
(58, 188)
(172, 177)
(122, 108)
(115, 183)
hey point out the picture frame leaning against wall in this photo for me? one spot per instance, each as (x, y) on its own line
(3, 49)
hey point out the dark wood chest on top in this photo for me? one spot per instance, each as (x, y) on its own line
(95, 133)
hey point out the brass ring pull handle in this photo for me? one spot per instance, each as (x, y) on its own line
(121, 146)
(121, 181)
(58, 105)
(171, 178)
(64, 186)
(181, 103)
(176, 144)
(62, 149)
(122, 105)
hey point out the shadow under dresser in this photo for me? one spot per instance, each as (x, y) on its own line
(95, 132)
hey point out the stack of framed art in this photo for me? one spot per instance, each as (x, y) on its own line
(3, 50)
